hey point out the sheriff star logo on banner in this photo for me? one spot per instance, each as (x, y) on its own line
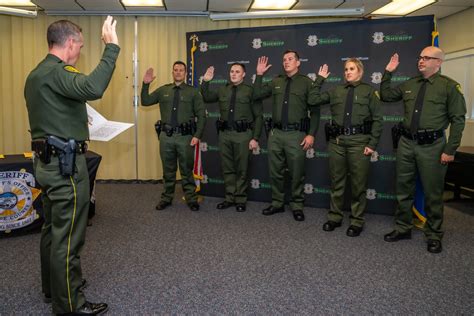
(17, 194)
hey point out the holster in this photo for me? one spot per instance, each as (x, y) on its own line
(158, 127)
(396, 134)
(219, 126)
(66, 151)
(268, 125)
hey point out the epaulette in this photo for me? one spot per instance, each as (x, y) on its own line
(71, 69)
(449, 79)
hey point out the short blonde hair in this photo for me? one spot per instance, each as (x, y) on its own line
(357, 62)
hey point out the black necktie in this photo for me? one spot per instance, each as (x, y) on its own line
(286, 100)
(233, 97)
(174, 110)
(415, 118)
(348, 108)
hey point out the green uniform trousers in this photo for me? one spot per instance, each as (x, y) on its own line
(65, 207)
(235, 155)
(426, 159)
(285, 151)
(175, 149)
(346, 156)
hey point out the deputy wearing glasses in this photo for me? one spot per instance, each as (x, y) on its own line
(432, 103)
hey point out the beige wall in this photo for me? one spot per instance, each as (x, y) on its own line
(161, 42)
(457, 34)
(457, 31)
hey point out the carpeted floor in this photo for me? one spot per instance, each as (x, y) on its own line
(143, 262)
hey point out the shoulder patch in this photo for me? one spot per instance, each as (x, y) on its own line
(458, 87)
(70, 68)
(377, 94)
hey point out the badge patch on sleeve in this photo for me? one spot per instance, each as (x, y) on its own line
(458, 86)
(71, 69)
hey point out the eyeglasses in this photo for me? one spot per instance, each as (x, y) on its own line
(426, 58)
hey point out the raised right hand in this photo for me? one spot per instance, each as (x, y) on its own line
(209, 74)
(148, 77)
(109, 35)
(324, 71)
(393, 63)
(262, 66)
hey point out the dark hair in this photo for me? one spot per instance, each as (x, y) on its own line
(292, 51)
(238, 64)
(59, 31)
(179, 62)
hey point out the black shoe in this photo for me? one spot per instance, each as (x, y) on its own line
(193, 206)
(434, 246)
(273, 210)
(162, 205)
(329, 226)
(224, 205)
(47, 298)
(240, 207)
(90, 309)
(298, 215)
(354, 231)
(396, 236)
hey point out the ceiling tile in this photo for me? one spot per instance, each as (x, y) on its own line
(229, 6)
(95, 5)
(69, 5)
(186, 5)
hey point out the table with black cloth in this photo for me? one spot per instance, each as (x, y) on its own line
(461, 171)
(19, 189)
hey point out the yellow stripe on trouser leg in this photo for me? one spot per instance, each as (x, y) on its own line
(69, 245)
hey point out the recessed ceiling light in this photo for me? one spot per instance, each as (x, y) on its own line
(273, 4)
(18, 3)
(402, 7)
(142, 3)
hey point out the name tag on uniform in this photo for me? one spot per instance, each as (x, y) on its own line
(277, 87)
(408, 91)
(166, 95)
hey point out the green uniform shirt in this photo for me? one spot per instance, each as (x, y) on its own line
(443, 104)
(366, 106)
(190, 106)
(299, 103)
(246, 108)
(56, 93)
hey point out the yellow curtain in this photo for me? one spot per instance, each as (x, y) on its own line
(161, 41)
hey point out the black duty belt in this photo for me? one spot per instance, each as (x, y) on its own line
(423, 137)
(40, 146)
(335, 130)
(287, 127)
(238, 126)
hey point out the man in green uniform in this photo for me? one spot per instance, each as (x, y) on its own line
(180, 106)
(239, 128)
(432, 102)
(55, 94)
(292, 132)
(353, 135)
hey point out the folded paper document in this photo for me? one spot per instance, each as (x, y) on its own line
(101, 129)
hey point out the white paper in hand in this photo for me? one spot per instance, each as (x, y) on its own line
(100, 128)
